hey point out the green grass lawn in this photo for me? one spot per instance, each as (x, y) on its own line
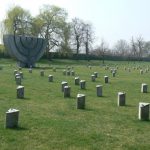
(49, 121)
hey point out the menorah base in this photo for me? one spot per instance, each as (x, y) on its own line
(25, 65)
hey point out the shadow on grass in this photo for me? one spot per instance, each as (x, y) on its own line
(130, 105)
(18, 128)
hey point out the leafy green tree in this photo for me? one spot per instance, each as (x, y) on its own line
(50, 22)
(65, 46)
(17, 21)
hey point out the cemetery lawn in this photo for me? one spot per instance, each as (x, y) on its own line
(48, 121)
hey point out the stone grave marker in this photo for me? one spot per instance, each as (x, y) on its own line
(42, 73)
(83, 84)
(50, 78)
(144, 88)
(121, 98)
(63, 84)
(93, 78)
(106, 79)
(20, 92)
(12, 117)
(99, 90)
(67, 91)
(80, 101)
(77, 80)
(143, 111)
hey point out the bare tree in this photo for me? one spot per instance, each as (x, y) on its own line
(77, 33)
(134, 49)
(88, 37)
(102, 49)
(140, 46)
(122, 47)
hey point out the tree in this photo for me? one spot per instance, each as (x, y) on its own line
(134, 50)
(140, 46)
(122, 47)
(87, 37)
(102, 49)
(147, 49)
(65, 48)
(77, 33)
(17, 21)
(51, 20)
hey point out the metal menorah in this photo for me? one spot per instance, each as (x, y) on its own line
(26, 49)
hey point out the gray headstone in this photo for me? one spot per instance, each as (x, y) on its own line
(96, 74)
(121, 98)
(30, 70)
(80, 101)
(113, 73)
(50, 78)
(42, 73)
(144, 88)
(93, 78)
(77, 80)
(99, 90)
(106, 79)
(68, 73)
(72, 73)
(18, 80)
(83, 84)
(64, 72)
(20, 92)
(21, 75)
(67, 90)
(143, 111)
(63, 84)
(12, 117)
(141, 71)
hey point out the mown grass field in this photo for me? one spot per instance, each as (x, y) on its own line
(49, 121)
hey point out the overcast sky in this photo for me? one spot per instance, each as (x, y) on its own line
(112, 19)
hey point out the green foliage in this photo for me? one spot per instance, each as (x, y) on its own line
(49, 121)
(16, 17)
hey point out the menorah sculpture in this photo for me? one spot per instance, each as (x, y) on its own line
(26, 49)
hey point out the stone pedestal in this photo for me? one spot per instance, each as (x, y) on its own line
(80, 101)
(93, 78)
(63, 84)
(144, 111)
(42, 73)
(121, 98)
(144, 88)
(67, 90)
(106, 79)
(30, 70)
(77, 80)
(83, 84)
(96, 74)
(99, 90)
(18, 80)
(20, 92)
(50, 78)
(12, 116)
